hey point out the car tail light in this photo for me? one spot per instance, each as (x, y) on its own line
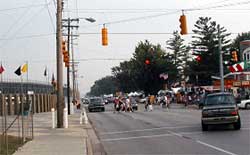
(235, 112)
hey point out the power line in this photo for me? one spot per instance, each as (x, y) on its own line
(29, 36)
(24, 7)
(18, 30)
(50, 16)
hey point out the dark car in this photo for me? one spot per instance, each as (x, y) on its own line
(96, 104)
(220, 108)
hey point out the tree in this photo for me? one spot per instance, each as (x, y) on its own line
(180, 53)
(135, 74)
(241, 37)
(205, 45)
(103, 86)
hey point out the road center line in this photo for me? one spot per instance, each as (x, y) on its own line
(216, 148)
(150, 129)
(152, 136)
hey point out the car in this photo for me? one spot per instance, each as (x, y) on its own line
(244, 104)
(220, 108)
(96, 104)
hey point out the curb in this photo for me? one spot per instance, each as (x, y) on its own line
(94, 146)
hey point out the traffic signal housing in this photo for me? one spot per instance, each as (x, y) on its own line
(183, 25)
(104, 36)
(65, 54)
(234, 56)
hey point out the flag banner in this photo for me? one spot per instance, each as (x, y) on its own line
(18, 71)
(53, 79)
(45, 72)
(25, 68)
(1, 69)
(239, 67)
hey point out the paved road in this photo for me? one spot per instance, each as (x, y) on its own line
(176, 131)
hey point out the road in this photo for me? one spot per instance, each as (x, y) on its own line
(173, 131)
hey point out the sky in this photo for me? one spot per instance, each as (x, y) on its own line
(27, 33)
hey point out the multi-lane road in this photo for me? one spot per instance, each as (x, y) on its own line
(176, 131)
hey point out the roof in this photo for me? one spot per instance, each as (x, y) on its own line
(220, 93)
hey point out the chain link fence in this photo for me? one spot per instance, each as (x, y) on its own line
(16, 113)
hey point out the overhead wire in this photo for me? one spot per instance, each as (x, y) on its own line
(24, 7)
(18, 30)
(51, 19)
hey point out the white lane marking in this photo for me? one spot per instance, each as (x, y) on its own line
(214, 147)
(152, 136)
(150, 129)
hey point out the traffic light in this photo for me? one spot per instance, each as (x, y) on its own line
(183, 25)
(234, 56)
(66, 58)
(63, 45)
(147, 62)
(104, 36)
(65, 54)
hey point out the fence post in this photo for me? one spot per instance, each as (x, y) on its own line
(38, 103)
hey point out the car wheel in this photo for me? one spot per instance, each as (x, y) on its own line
(237, 125)
(247, 106)
(204, 127)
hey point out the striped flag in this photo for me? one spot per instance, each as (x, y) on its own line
(239, 67)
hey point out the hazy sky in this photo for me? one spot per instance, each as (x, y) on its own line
(28, 31)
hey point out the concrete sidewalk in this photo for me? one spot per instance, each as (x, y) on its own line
(58, 141)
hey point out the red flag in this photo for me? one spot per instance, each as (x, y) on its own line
(1, 69)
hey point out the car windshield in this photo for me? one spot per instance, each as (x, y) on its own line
(95, 101)
(219, 99)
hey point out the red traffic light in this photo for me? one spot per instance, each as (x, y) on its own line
(147, 62)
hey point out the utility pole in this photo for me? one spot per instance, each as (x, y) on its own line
(221, 62)
(69, 26)
(60, 102)
(73, 70)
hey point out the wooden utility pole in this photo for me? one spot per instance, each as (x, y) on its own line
(59, 64)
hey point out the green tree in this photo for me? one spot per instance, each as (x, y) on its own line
(137, 75)
(205, 45)
(180, 53)
(241, 37)
(103, 86)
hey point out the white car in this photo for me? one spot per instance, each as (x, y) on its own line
(244, 104)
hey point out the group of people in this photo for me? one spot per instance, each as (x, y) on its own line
(124, 104)
(163, 100)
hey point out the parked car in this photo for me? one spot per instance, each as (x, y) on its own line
(244, 104)
(96, 104)
(220, 108)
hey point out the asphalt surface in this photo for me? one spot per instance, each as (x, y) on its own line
(174, 131)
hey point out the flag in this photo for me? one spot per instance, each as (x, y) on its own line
(53, 79)
(45, 72)
(239, 67)
(18, 71)
(1, 69)
(25, 68)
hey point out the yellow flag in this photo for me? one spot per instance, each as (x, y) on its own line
(25, 68)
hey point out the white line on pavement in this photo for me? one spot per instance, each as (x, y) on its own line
(152, 136)
(150, 129)
(214, 147)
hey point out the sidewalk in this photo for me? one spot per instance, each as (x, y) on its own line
(58, 141)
